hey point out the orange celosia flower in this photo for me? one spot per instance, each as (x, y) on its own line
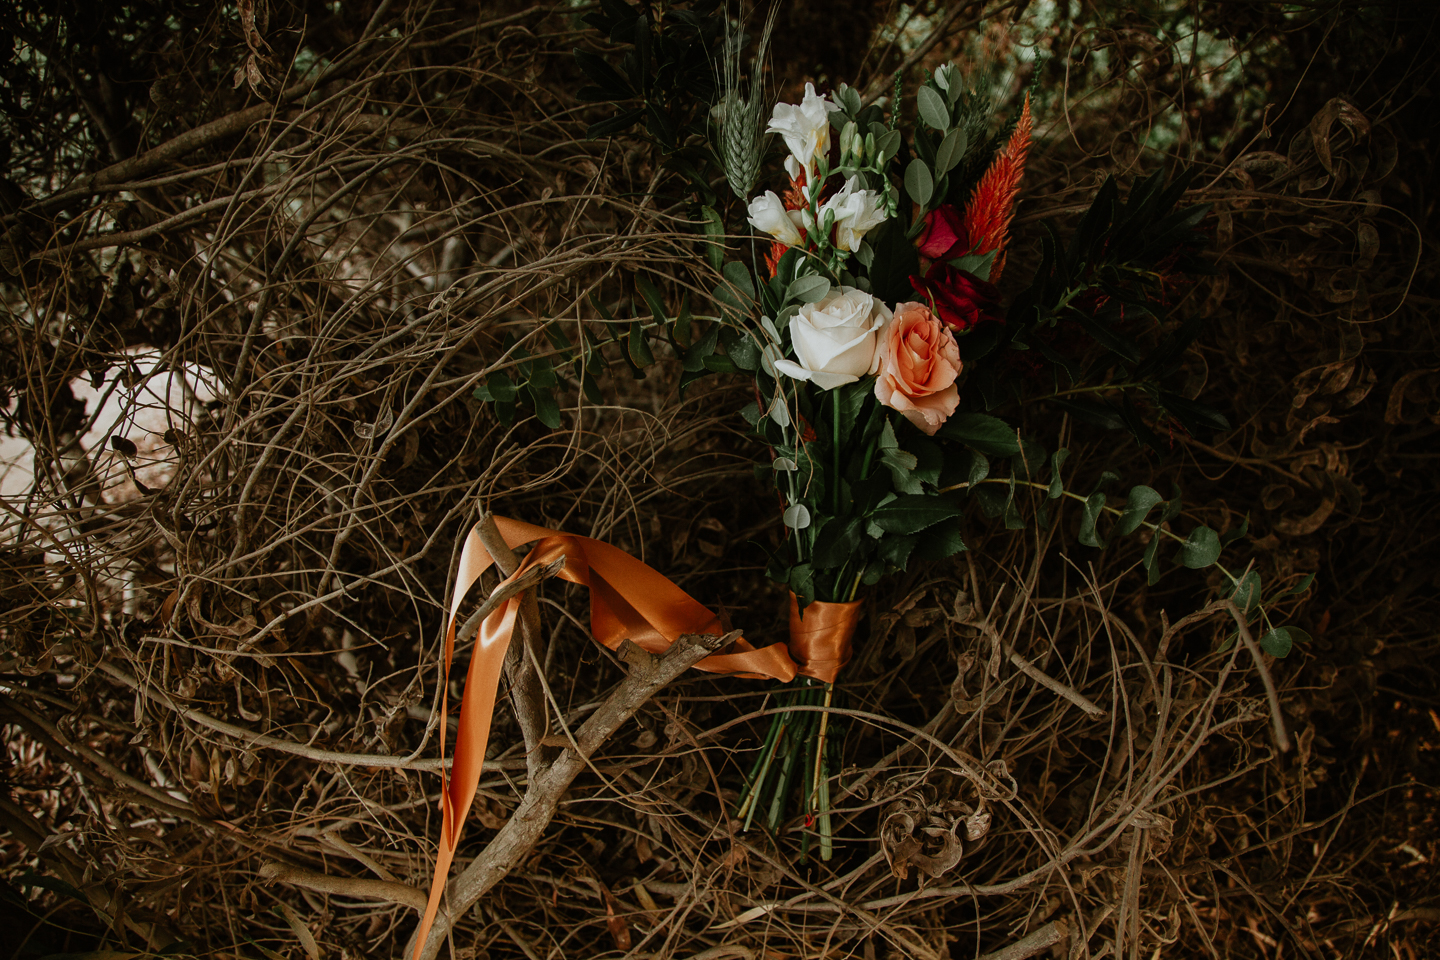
(987, 217)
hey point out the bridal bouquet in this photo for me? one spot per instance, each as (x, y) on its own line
(867, 311)
(877, 339)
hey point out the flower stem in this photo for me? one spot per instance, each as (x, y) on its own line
(835, 449)
(762, 769)
(820, 745)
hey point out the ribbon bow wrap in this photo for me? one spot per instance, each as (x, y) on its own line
(629, 600)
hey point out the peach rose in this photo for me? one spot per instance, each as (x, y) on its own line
(919, 361)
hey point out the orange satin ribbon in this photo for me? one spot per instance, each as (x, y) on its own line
(628, 600)
(820, 637)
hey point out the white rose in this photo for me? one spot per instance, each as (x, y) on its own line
(806, 127)
(769, 215)
(835, 340)
(857, 212)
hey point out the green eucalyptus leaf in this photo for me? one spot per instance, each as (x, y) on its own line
(638, 347)
(1057, 488)
(547, 410)
(1012, 511)
(499, 387)
(1277, 642)
(932, 106)
(1246, 594)
(1094, 504)
(1200, 549)
(1138, 504)
(739, 277)
(919, 183)
(1300, 587)
(652, 297)
(808, 289)
(1150, 562)
(714, 228)
(1230, 536)
(952, 148)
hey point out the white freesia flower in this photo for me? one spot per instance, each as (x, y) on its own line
(857, 212)
(806, 127)
(769, 215)
(835, 340)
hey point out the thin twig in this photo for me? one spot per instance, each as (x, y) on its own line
(358, 888)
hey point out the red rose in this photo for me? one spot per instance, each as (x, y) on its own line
(944, 235)
(958, 297)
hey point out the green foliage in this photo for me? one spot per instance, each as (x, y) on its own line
(665, 77)
(1109, 282)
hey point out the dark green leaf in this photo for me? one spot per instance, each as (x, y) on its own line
(896, 550)
(740, 348)
(716, 363)
(590, 388)
(940, 541)
(1093, 412)
(605, 76)
(1012, 511)
(498, 386)
(1150, 561)
(836, 542)
(714, 228)
(638, 347)
(739, 278)
(1247, 593)
(919, 184)
(1277, 642)
(929, 457)
(682, 323)
(933, 109)
(652, 298)
(913, 513)
(1300, 587)
(1138, 504)
(547, 410)
(1094, 504)
(1194, 416)
(1057, 488)
(979, 468)
(992, 499)
(895, 262)
(989, 435)
(617, 123)
(701, 349)
(979, 264)
(802, 582)
(1230, 536)
(952, 148)
(1200, 549)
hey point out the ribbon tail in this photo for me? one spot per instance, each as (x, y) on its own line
(482, 685)
(628, 601)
